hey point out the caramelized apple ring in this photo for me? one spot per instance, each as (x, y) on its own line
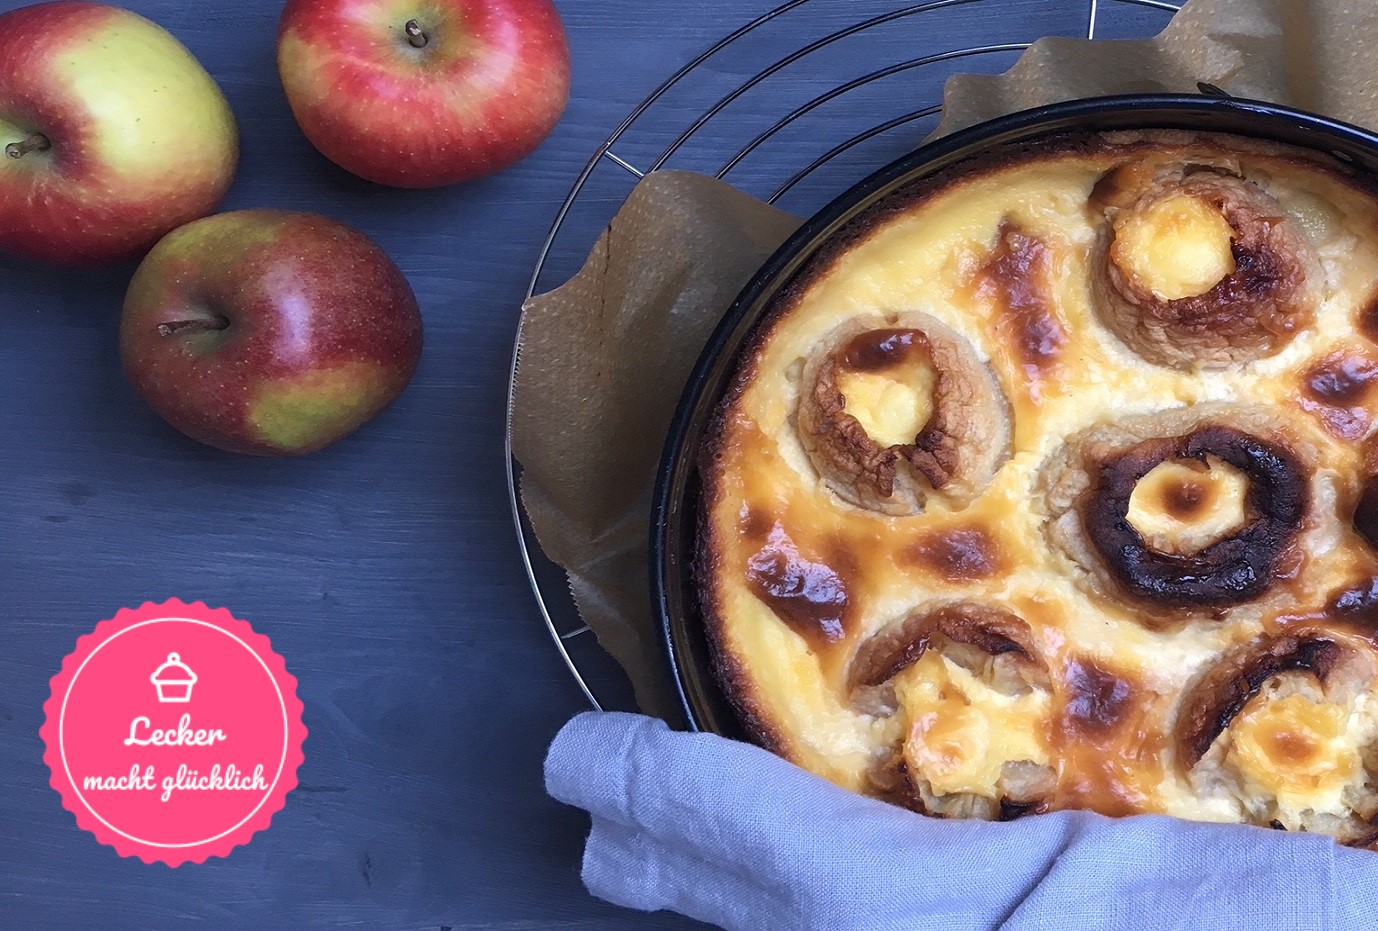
(949, 438)
(1278, 723)
(979, 650)
(1198, 266)
(1225, 552)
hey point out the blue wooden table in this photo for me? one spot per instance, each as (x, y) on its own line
(384, 569)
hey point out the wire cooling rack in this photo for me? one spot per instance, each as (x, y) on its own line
(793, 107)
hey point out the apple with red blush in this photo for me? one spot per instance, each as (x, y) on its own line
(269, 332)
(111, 134)
(422, 93)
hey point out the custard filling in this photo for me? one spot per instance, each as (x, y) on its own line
(1183, 506)
(1296, 750)
(891, 406)
(962, 731)
(1178, 247)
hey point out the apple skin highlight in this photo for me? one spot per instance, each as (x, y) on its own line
(472, 87)
(139, 138)
(268, 332)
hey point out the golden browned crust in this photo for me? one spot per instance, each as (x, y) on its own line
(1099, 701)
(729, 668)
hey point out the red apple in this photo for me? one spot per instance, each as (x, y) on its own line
(112, 134)
(420, 93)
(269, 332)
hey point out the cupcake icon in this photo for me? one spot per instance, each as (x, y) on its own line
(173, 680)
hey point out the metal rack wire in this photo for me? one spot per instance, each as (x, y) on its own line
(802, 99)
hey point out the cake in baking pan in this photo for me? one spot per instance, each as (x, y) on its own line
(1049, 483)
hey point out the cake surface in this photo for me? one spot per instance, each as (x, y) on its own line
(1046, 484)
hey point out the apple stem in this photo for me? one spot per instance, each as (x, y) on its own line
(415, 35)
(35, 143)
(192, 326)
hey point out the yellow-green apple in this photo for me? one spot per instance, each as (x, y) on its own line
(269, 332)
(420, 93)
(112, 133)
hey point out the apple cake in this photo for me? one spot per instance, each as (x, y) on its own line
(1049, 483)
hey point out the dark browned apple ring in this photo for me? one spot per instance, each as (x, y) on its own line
(1250, 313)
(995, 645)
(1237, 568)
(1091, 482)
(956, 453)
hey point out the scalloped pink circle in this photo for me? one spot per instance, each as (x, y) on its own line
(173, 732)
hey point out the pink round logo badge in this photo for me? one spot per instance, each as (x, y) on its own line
(173, 732)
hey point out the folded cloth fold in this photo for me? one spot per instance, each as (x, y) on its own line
(730, 834)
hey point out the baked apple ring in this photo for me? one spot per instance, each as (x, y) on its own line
(894, 409)
(1191, 510)
(1198, 266)
(1278, 723)
(974, 699)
